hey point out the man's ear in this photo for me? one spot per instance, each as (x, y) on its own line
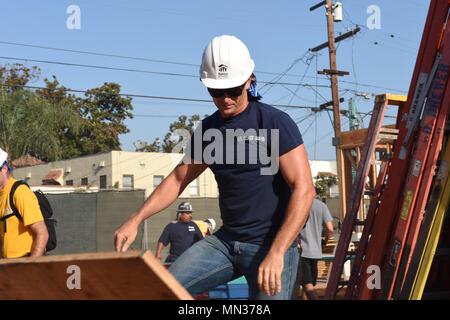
(247, 84)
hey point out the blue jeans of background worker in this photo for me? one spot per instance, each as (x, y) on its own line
(212, 262)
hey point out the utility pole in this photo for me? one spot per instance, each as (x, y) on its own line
(333, 72)
(336, 110)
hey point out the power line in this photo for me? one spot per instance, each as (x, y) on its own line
(280, 76)
(308, 63)
(150, 97)
(99, 54)
(69, 64)
(169, 98)
(272, 82)
(175, 62)
(98, 67)
(123, 56)
(154, 116)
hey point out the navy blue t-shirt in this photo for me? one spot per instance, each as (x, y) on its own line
(252, 204)
(181, 236)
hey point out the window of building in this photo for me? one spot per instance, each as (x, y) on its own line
(84, 181)
(128, 181)
(69, 182)
(157, 180)
(103, 180)
(193, 188)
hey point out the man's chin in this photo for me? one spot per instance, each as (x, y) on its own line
(227, 112)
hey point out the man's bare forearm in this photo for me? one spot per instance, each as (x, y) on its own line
(39, 245)
(168, 191)
(40, 238)
(296, 216)
(159, 250)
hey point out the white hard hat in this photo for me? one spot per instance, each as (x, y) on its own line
(185, 207)
(212, 224)
(226, 63)
(3, 156)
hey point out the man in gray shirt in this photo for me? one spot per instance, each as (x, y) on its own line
(311, 245)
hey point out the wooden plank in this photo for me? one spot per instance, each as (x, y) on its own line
(357, 138)
(352, 138)
(119, 276)
(396, 99)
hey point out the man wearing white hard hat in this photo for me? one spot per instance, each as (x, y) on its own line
(180, 234)
(264, 204)
(22, 233)
(206, 226)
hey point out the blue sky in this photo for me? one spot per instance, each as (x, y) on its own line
(277, 33)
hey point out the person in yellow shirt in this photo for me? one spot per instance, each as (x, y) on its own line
(27, 236)
(206, 226)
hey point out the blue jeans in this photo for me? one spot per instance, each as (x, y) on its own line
(212, 262)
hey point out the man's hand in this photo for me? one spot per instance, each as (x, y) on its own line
(126, 234)
(269, 274)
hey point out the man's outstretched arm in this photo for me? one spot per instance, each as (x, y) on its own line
(163, 196)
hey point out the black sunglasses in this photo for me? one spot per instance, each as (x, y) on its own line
(231, 92)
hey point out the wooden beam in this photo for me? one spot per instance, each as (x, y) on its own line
(356, 138)
(112, 275)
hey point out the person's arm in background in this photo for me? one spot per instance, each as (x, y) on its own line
(159, 249)
(296, 172)
(40, 238)
(163, 196)
(329, 231)
(163, 241)
(328, 222)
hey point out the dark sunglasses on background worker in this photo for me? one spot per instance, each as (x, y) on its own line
(231, 92)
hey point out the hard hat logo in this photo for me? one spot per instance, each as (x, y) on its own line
(223, 72)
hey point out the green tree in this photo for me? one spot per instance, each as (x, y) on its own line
(96, 120)
(171, 138)
(324, 181)
(14, 77)
(55, 93)
(143, 146)
(104, 112)
(30, 124)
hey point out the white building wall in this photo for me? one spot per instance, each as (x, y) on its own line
(74, 169)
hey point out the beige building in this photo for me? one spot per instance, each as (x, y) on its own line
(116, 170)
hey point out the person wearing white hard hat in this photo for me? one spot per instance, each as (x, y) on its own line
(180, 234)
(206, 226)
(257, 155)
(22, 232)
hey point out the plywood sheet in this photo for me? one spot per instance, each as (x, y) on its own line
(124, 276)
